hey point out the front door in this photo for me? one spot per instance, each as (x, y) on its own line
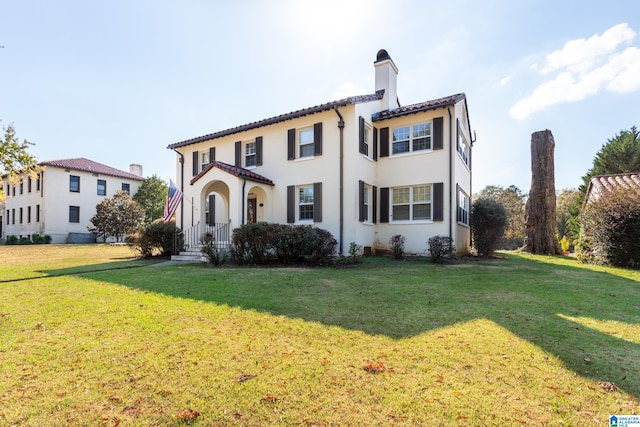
(252, 207)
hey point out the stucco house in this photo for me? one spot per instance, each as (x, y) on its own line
(365, 168)
(63, 198)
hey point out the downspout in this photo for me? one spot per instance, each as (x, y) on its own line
(243, 189)
(341, 127)
(450, 174)
(181, 187)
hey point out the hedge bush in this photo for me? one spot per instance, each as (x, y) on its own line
(157, 237)
(440, 248)
(611, 229)
(489, 221)
(262, 242)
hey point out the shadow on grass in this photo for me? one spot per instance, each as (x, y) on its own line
(532, 298)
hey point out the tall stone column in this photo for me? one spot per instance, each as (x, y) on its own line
(540, 210)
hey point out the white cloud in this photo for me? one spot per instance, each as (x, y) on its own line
(505, 80)
(584, 68)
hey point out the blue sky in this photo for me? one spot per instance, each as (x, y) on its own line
(117, 81)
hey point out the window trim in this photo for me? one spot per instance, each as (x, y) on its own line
(463, 207)
(309, 204)
(411, 139)
(71, 209)
(411, 204)
(248, 155)
(104, 190)
(71, 182)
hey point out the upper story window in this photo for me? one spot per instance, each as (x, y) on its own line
(412, 138)
(366, 136)
(205, 160)
(102, 187)
(306, 140)
(29, 184)
(250, 158)
(21, 187)
(411, 203)
(463, 147)
(74, 183)
(126, 187)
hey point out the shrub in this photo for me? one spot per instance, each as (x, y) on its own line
(397, 246)
(611, 229)
(489, 222)
(565, 244)
(159, 236)
(355, 253)
(211, 249)
(11, 240)
(262, 242)
(440, 247)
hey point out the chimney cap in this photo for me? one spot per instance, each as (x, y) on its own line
(382, 55)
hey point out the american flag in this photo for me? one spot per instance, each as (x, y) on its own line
(174, 197)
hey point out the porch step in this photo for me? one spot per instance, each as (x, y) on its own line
(190, 254)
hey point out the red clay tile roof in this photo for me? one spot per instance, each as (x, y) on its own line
(422, 106)
(283, 117)
(603, 183)
(233, 170)
(86, 165)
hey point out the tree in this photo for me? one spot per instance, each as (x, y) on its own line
(540, 209)
(14, 157)
(567, 209)
(512, 200)
(151, 196)
(621, 154)
(116, 216)
(489, 220)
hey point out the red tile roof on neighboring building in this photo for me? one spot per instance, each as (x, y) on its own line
(86, 165)
(233, 170)
(419, 107)
(603, 183)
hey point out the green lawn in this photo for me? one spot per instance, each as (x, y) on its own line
(521, 340)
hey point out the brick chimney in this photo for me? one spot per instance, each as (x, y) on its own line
(386, 79)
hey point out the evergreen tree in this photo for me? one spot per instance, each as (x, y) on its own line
(116, 216)
(513, 201)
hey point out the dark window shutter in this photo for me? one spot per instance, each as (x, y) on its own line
(375, 143)
(374, 203)
(291, 204)
(384, 204)
(212, 209)
(438, 201)
(361, 146)
(438, 137)
(458, 212)
(317, 139)
(317, 202)
(259, 151)
(384, 142)
(212, 154)
(291, 144)
(361, 201)
(239, 154)
(195, 163)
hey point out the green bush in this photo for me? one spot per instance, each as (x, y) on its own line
(611, 229)
(157, 237)
(11, 240)
(211, 249)
(489, 219)
(263, 242)
(440, 247)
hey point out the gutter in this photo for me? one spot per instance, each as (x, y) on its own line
(341, 127)
(450, 173)
(181, 187)
(244, 183)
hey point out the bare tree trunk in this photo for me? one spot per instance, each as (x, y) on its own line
(540, 210)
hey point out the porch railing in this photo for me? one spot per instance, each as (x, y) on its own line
(190, 237)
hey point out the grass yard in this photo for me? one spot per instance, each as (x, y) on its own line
(521, 340)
